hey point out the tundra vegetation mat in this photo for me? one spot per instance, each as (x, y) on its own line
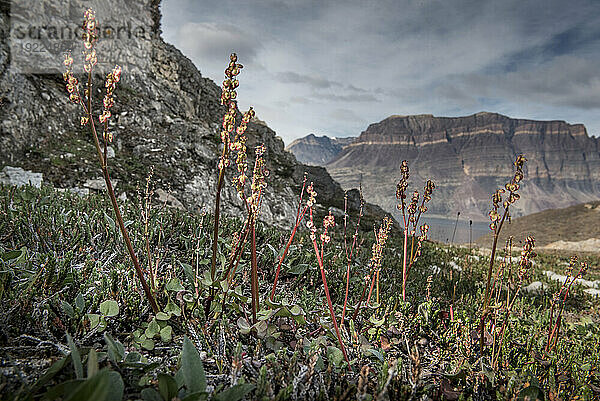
(75, 323)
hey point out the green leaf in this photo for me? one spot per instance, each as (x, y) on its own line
(377, 322)
(153, 329)
(59, 390)
(375, 353)
(110, 222)
(172, 308)
(76, 357)
(192, 368)
(116, 350)
(162, 316)
(116, 387)
(148, 344)
(532, 393)
(197, 396)
(150, 394)
(68, 309)
(266, 314)
(174, 285)
(27, 195)
(167, 386)
(166, 334)
(335, 355)
(243, 325)
(92, 363)
(16, 254)
(94, 320)
(235, 393)
(95, 388)
(133, 357)
(298, 269)
(79, 303)
(188, 271)
(109, 308)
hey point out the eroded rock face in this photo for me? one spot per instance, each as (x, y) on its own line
(166, 115)
(318, 150)
(469, 157)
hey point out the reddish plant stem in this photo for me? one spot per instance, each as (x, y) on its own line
(404, 261)
(349, 260)
(254, 273)
(372, 285)
(113, 199)
(489, 279)
(299, 218)
(492, 260)
(213, 262)
(328, 296)
(238, 248)
(362, 296)
(553, 335)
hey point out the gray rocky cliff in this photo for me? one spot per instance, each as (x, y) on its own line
(166, 114)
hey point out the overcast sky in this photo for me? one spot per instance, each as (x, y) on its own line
(334, 67)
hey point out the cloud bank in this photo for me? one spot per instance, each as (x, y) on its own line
(334, 67)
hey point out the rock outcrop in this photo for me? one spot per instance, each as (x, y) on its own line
(166, 114)
(469, 157)
(317, 150)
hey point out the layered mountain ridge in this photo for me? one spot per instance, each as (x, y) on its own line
(469, 157)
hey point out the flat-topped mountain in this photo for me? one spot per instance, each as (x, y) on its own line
(318, 150)
(469, 157)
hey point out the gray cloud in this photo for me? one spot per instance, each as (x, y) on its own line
(312, 81)
(211, 42)
(345, 114)
(326, 60)
(362, 97)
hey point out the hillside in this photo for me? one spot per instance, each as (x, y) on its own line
(166, 115)
(573, 224)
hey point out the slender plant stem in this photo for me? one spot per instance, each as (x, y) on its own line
(492, 260)
(113, 200)
(349, 260)
(254, 275)
(238, 249)
(213, 262)
(362, 296)
(299, 218)
(404, 262)
(489, 279)
(324, 279)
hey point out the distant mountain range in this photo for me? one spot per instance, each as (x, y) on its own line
(317, 150)
(468, 158)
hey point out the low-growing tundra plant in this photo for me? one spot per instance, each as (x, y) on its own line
(85, 100)
(411, 213)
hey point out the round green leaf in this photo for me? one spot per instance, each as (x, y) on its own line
(109, 308)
